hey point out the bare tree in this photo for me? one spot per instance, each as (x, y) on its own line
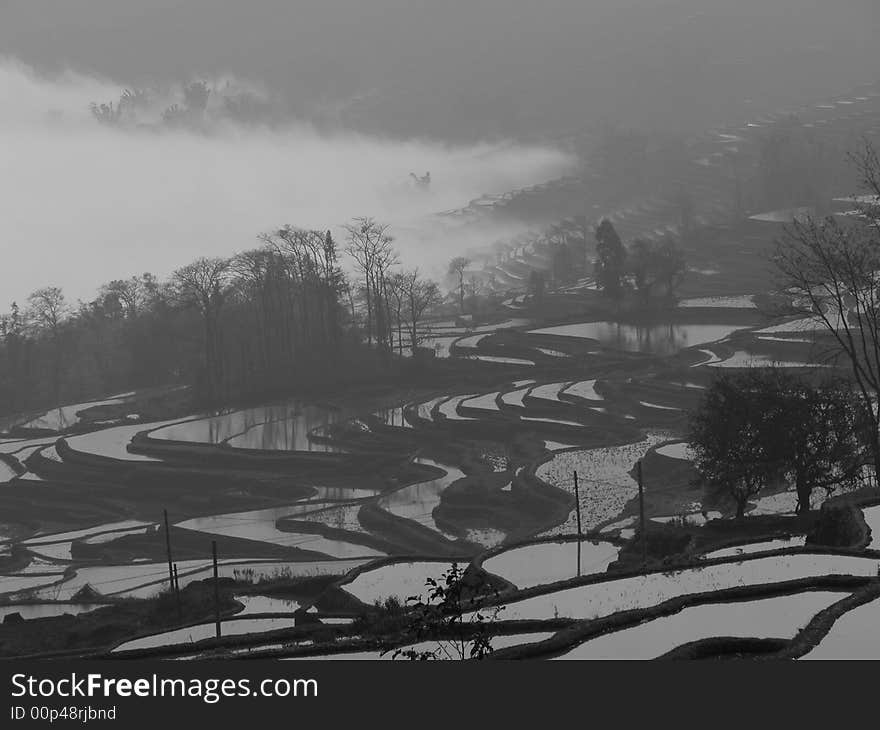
(421, 295)
(832, 269)
(457, 268)
(106, 113)
(252, 275)
(47, 310)
(127, 292)
(397, 295)
(369, 244)
(203, 284)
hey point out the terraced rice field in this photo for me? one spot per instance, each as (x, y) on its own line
(778, 617)
(417, 502)
(402, 579)
(605, 482)
(603, 599)
(657, 339)
(853, 636)
(547, 562)
(584, 389)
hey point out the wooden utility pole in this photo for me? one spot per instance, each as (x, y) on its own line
(577, 501)
(642, 516)
(216, 588)
(168, 550)
(177, 593)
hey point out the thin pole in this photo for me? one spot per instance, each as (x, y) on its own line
(216, 589)
(577, 500)
(168, 550)
(642, 516)
(177, 592)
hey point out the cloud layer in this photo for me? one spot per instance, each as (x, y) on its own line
(84, 203)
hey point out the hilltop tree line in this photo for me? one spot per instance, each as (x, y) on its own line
(649, 269)
(269, 319)
(190, 106)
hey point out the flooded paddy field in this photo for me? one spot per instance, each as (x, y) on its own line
(547, 562)
(778, 617)
(403, 579)
(63, 418)
(144, 580)
(852, 636)
(192, 634)
(603, 599)
(284, 427)
(261, 526)
(606, 484)
(418, 501)
(758, 547)
(33, 611)
(872, 518)
(659, 339)
(334, 502)
(480, 454)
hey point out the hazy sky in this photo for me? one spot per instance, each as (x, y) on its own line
(472, 68)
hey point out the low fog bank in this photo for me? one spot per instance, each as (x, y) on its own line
(86, 202)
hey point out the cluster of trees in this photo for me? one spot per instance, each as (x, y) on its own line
(650, 269)
(769, 429)
(457, 268)
(472, 288)
(266, 319)
(52, 350)
(394, 300)
(190, 106)
(764, 427)
(831, 268)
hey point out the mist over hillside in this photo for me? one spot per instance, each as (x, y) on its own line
(150, 196)
(472, 70)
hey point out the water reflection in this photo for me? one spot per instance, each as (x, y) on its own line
(279, 427)
(393, 417)
(657, 339)
(261, 525)
(418, 501)
(63, 417)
